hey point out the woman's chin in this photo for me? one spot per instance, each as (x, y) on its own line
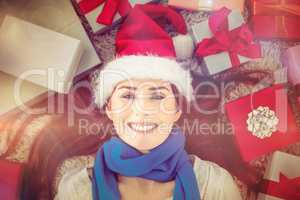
(143, 141)
(143, 144)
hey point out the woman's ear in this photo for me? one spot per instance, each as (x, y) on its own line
(177, 115)
(108, 111)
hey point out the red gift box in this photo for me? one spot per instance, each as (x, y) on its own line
(262, 122)
(10, 180)
(276, 19)
(224, 41)
(102, 15)
(281, 179)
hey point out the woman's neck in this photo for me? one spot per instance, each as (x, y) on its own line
(144, 151)
(144, 185)
(136, 181)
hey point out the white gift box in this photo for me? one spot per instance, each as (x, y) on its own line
(39, 55)
(284, 163)
(58, 16)
(92, 15)
(218, 62)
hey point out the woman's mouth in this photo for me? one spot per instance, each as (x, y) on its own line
(142, 127)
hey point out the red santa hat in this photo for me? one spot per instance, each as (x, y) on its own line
(145, 50)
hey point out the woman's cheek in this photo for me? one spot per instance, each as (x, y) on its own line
(168, 106)
(121, 107)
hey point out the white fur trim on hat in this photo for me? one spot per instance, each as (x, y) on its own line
(141, 67)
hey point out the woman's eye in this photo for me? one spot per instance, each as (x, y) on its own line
(127, 96)
(157, 97)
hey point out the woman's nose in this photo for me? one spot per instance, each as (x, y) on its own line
(143, 105)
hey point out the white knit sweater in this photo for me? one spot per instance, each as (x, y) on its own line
(214, 182)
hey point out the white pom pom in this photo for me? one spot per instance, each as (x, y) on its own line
(184, 46)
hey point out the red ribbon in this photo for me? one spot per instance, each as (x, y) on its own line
(238, 41)
(110, 8)
(288, 189)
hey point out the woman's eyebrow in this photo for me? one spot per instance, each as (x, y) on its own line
(159, 88)
(127, 87)
(151, 88)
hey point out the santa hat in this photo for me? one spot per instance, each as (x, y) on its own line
(145, 50)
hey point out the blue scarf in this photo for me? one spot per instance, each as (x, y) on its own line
(163, 163)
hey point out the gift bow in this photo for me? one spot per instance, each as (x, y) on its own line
(237, 42)
(261, 8)
(111, 7)
(288, 189)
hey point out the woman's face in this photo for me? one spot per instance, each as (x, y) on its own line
(143, 112)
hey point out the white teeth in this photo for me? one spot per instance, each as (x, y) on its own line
(138, 127)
